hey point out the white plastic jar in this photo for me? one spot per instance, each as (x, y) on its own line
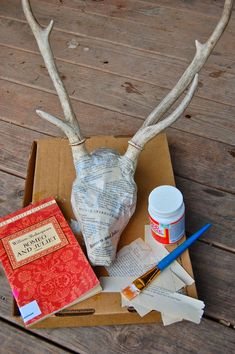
(166, 214)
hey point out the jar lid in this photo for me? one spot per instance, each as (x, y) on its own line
(165, 200)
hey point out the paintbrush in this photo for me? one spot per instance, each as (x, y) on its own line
(131, 291)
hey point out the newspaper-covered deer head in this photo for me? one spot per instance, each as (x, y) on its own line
(104, 192)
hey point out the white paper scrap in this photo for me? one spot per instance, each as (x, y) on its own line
(174, 304)
(160, 251)
(132, 260)
(175, 267)
(115, 284)
(141, 310)
(135, 259)
(168, 320)
(138, 257)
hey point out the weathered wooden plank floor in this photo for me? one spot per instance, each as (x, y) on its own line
(118, 58)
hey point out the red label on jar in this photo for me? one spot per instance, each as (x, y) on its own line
(167, 233)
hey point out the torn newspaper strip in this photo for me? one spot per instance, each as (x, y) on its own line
(103, 200)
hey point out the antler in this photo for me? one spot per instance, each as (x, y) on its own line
(70, 126)
(149, 129)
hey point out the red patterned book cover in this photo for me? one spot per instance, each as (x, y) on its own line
(44, 264)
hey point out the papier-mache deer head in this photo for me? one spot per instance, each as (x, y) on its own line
(103, 194)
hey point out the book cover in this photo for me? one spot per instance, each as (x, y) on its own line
(44, 263)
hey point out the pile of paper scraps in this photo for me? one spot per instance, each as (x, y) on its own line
(165, 294)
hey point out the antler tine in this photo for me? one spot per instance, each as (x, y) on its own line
(202, 53)
(147, 133)
(70, 126)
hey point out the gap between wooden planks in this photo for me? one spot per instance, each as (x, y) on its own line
(11, 10)
(198, 159)
(84, 339)
(25, 340)
(207, 118)
(142, 8)
(211, 282)
(115, 60)
(131, 97)
(197, 194)
(209, 340)
(215, 121)
(192, 115)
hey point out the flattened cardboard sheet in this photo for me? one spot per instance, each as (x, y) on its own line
(51, 173)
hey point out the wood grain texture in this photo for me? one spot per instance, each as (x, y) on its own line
(199, 159)
(196, 196)
(127, 55)
(103, 89)
(206, 204)
(202, 160)
(205, 121)
(112, 8)
(92, 119)
(139, 338)
(87, 85)
(206, 179)
(208, 7)
(179, 338)
(15, 341)
(15, 143)
(154, 15)
(152, 339)
(11, 193)
(215, 280)
(207, 118)
(155, 68)
(168, 27)
(114, 93)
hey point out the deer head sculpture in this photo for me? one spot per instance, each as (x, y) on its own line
(103, 194)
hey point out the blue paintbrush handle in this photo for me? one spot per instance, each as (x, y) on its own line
(181, 248)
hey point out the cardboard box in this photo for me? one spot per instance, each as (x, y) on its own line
(51, 173)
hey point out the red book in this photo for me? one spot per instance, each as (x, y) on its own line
(43, 261)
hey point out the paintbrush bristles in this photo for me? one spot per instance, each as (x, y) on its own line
(131, 291)
(147, 277)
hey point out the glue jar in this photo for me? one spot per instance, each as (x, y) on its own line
(166, 214)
